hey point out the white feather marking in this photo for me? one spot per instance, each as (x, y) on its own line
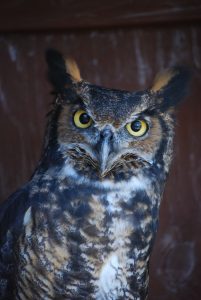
(112, 278)
(27, 216)
(108, 276)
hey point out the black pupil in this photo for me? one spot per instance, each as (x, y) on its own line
(136, 126)
(84, 118)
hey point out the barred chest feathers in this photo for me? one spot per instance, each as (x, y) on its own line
(106, 229)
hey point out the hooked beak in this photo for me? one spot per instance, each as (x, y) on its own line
(105, 149)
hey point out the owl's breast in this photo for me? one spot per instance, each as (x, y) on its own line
(85, 241)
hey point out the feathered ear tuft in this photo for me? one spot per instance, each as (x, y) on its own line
(61, 73)
(171, 86)
(73, 70)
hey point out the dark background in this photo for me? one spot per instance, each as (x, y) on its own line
(119, 44)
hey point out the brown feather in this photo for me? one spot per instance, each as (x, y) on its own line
(162, 79)
(73, 70)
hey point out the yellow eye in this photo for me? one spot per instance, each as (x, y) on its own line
(82, 119)
(137, 128)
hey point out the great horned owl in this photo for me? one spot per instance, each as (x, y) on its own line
(83, 226)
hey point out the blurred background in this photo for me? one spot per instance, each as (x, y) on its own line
(117, 44)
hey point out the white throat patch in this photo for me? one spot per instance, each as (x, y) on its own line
(134, 183)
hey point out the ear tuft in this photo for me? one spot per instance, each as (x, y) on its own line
(61, 73)
(171, 86)
(162, 79)
(73, 70)
(57, 70)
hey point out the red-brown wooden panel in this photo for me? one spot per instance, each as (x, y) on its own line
(125, 59)
(18, 15)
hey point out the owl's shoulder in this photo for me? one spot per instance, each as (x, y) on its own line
(12, 210)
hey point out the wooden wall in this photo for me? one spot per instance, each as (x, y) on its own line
(120, 45)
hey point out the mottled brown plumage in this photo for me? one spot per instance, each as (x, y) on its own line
(84, 225)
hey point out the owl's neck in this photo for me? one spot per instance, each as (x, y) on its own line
(133, 183)
(61, 165)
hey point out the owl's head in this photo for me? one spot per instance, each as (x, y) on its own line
(106, 133)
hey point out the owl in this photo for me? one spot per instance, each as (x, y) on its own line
(83, 227)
